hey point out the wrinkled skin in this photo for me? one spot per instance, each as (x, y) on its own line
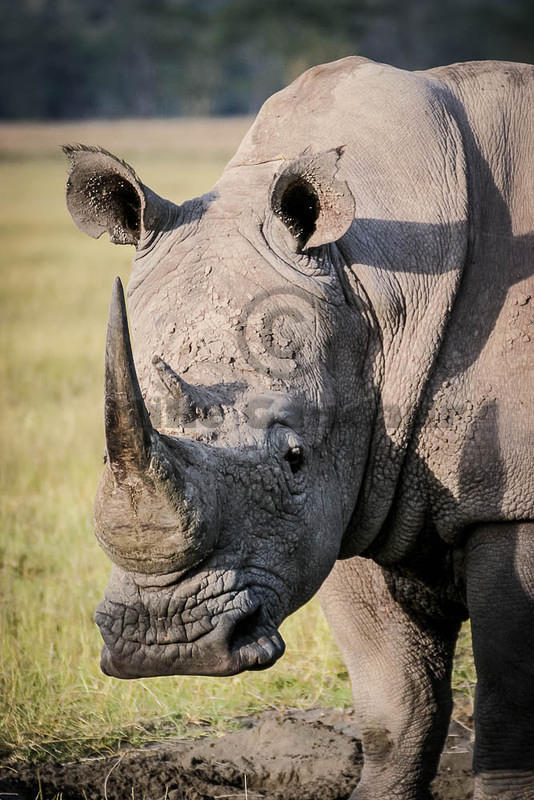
(333, 359)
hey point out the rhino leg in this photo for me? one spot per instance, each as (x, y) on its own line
(500, 596)
(400, 671)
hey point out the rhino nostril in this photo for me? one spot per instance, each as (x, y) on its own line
(245, 629)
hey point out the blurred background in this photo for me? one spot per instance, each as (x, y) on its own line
(72, 59)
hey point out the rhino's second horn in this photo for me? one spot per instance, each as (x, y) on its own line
(192, 402)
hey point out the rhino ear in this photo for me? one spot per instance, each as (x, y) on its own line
(105, 194)
(313, 202)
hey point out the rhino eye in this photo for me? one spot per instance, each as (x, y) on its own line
(295, 458)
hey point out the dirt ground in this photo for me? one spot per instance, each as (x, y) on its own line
(282, 756)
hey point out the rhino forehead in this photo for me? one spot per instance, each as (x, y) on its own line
(217, 309)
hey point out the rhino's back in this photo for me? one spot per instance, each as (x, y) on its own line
(353, 102)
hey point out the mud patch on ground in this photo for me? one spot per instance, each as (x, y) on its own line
(312, 755)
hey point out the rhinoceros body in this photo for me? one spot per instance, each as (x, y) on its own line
(334, 359)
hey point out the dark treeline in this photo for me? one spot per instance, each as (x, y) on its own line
(108, 58)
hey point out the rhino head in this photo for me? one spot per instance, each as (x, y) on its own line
(240, 439)
(224, 495)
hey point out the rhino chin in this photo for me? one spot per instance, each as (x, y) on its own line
(254, 656)
(243, 638)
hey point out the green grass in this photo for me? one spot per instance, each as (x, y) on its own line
(55, 287)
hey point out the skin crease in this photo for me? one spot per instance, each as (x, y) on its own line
(370, 395)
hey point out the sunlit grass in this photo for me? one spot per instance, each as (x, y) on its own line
(54, 701)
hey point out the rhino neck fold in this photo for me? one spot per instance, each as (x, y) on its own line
(412, 300)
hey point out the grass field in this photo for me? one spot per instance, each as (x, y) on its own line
(55, 288)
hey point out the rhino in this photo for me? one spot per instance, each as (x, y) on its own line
(333, 390)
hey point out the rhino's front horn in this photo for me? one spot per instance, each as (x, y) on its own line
(156, 507)
(128, 427)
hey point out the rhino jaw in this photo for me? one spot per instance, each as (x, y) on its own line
(220, 634)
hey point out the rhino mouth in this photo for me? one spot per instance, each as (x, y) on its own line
(172, 633)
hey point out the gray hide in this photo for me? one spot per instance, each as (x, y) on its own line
(334, 359)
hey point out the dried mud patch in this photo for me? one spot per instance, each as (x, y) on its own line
(312, 755)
